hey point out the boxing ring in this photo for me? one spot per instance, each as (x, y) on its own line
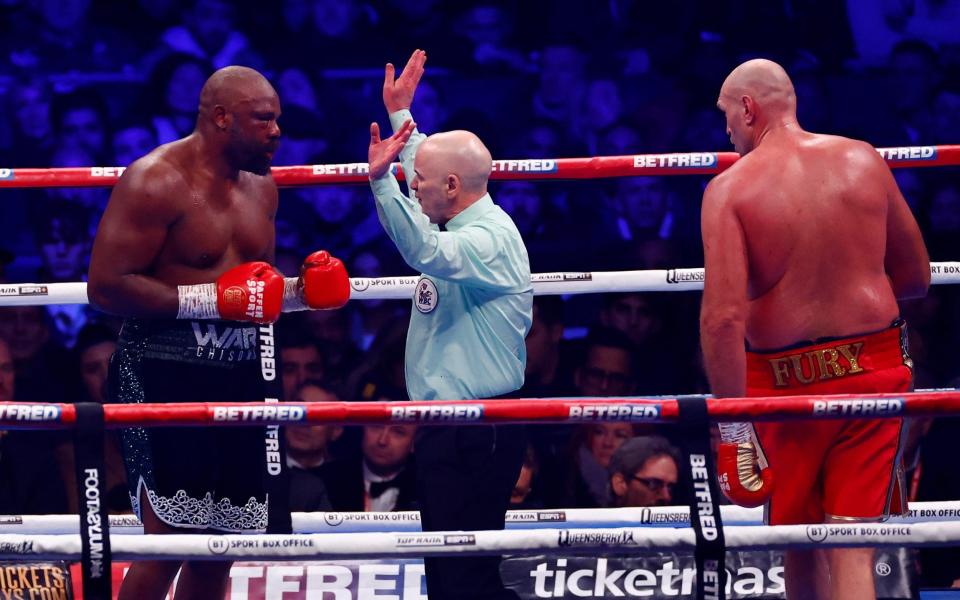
(353, 536)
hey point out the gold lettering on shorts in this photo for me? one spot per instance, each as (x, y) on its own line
(828, 358)
(806, 367)
(798, 368)
(852, 355)
(780, 371)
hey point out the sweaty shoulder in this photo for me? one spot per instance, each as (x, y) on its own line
(154, 183)
(855, 153)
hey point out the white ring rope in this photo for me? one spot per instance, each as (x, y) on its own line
(395, 288)
(327, 546)
(409, 521)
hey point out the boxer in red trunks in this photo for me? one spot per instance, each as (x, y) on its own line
(807, 237)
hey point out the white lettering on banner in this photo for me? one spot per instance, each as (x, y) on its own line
(616, 412)
(701, 486)
(909, 153)
(462, 412)
(29, 412)
(368, 581)
(685, 160)
(107, 171)
(267, 365)
(882, 406)
(344, 169)
(284, 412)
(602, 582)
(525, 166)
(94, 526)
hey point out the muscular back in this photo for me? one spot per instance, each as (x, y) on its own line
(170, 221)
(820, 220)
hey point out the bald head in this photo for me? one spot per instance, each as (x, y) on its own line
(460, 153)
(230, 86)
(766, 82)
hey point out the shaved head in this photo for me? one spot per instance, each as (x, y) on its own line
(231, 86)
(462, 154)
(765, 81)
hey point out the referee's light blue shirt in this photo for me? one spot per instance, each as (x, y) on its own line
(473, 303)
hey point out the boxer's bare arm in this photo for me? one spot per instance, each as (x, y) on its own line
(906, 262)
(723, 312)
(129, 240)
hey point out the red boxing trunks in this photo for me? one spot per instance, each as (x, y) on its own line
(841, 469)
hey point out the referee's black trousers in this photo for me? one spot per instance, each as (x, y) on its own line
(465, 476)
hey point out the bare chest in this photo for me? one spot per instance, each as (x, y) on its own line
(213, 233)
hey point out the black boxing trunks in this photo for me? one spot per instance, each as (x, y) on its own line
(194, 477)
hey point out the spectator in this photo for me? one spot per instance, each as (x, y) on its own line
(131, 140)
(32, 126)
(95, 344)
(26, 330)
(643, 472)
(208, 31)
(300, 359)
(308, 449)
(383, 478)
(544, 376)
(607, 367)
(81, 119)
(171, 94)
(29, 477)
(524, 496)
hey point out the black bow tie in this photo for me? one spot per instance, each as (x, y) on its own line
(377, 488)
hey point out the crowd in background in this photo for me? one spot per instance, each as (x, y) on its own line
(84, 84)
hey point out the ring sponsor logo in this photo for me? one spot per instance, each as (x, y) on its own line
(675, 161)
(935, 512)
(685, 275)
(9, 290)
(578, 276)
(944, 270)
(24, 547)
(614, 412)
(268, 364)
(460, 539)
(344, 169)
(125, 521)
(882, 406)
(283, 412)
(7, 174)
(603, 578)
(419, 413)
(882, 569)
(29, 412)
(816, 533)
(546, 277)
(107, 171)
(11, 520)
(701, 490)
(91, 491)
(595, 538)
(552, 516)
(649, 516)
(333, 519)
(908, 153)
(525, 166)
(217, 544)
(419, 540)
(360, 284)
(34, 290)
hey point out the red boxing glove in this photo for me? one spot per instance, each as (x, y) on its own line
(251, 292)
(324, 281)
(745, 477)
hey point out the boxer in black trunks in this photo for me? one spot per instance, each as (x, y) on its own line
(197, 210)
